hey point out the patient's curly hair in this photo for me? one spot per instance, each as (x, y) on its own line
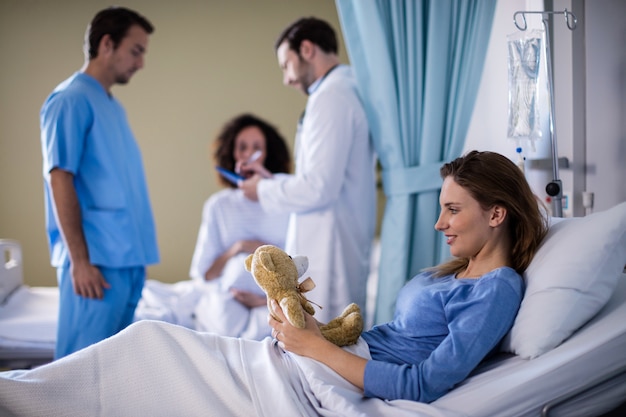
(277, 159)
(492, 179)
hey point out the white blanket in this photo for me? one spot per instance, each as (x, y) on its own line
(173, 303)
(158, 369)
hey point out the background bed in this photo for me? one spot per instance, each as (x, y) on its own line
(28, 315)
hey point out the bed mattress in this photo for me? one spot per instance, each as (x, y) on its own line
(28, 321)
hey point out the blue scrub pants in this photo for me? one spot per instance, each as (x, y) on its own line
(85, 321)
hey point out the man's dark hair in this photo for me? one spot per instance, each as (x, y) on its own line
(312, 29)
(115, 22)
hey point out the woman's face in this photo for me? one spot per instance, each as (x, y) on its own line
(247, 142)
(463, 221)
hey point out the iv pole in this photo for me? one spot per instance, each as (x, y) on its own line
(554, 188)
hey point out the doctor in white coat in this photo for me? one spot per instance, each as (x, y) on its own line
(332, 194)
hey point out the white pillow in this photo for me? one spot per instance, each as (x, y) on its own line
(569, 280)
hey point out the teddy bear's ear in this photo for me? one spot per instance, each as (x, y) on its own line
(266, 260)
(248, 263)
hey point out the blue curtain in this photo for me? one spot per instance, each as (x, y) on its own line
(418, 64)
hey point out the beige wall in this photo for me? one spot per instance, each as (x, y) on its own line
(207, 61)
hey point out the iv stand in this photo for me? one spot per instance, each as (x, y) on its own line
(554, 188)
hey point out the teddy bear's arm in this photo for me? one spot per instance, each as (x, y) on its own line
(269, 309)
(293, 311)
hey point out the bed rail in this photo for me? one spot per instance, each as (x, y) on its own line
(10, 267)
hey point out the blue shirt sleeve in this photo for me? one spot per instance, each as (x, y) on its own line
(478, 317)
(65, 121)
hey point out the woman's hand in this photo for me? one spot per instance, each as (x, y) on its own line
(309, 342)
(240, 246)
(248, 299)
(304, 342)
(245, 246)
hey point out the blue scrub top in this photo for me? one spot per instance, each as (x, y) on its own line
(84, 130)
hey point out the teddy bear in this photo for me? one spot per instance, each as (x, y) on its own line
(277, 274)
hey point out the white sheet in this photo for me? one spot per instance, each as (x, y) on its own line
(173, 303)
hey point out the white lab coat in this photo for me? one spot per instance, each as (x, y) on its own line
(331, 196)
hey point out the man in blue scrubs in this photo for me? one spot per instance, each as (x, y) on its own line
(99, 220)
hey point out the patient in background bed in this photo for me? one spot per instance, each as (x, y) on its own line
(224, 298)
(447, 320)
(232, 227)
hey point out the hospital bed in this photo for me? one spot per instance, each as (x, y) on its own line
(566, 352)
(564, 356)
(28, 315)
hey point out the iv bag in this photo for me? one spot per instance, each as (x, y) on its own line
(524, 50)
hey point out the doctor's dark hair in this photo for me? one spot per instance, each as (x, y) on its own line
(277, 155)
(312, 29)
(115, 22)
(492, 179)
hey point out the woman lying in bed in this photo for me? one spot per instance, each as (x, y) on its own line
(447, 320)
(450, 317)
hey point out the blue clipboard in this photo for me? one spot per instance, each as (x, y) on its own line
(230, 176)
